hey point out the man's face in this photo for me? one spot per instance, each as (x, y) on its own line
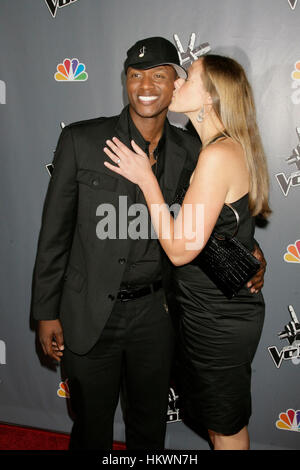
(150, 91)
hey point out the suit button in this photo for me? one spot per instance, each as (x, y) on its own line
(95, 183)
(111, 297)
(122, 260)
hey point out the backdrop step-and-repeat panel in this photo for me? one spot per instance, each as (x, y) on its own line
(62, 61)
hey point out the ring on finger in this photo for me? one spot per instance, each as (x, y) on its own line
(118, 161)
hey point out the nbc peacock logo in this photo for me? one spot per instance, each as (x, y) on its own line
(296, 72)
(289, 421)
(63, 390)
(71, 70)
(292, 254)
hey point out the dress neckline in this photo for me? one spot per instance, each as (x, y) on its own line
(238, 200)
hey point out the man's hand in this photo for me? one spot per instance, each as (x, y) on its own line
(51, 338)
(257, 282)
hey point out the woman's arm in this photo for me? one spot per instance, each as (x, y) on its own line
(183, 238)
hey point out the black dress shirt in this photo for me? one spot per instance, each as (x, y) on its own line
(144, 259)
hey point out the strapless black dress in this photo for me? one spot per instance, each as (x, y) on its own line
(218, 338)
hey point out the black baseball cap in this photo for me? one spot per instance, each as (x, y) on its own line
(152, 52)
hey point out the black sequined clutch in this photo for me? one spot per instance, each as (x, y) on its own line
(227, 262)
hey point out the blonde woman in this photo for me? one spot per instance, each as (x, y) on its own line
(218, 336)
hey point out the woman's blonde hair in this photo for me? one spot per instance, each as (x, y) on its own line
(233, 103)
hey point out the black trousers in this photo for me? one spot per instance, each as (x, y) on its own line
(133, 355)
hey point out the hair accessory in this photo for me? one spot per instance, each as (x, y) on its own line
(191, 54)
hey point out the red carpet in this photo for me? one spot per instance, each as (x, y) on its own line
(22, 438)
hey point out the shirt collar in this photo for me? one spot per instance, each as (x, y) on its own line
(139, 139)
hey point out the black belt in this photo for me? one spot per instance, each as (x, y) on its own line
(125, 294)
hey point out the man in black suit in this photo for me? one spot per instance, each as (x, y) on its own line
(99, 299)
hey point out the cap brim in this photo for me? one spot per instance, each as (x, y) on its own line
(179, 70)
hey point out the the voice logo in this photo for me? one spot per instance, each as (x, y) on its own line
(293, 4)
(53, 5)
(291, 333)
(293, 180)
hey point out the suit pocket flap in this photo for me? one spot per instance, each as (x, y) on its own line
(97, 180)
(74, 279)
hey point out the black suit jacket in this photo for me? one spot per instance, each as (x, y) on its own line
(76, 274)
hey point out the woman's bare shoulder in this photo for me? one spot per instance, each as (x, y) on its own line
(223, 149)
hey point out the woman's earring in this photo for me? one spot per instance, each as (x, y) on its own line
(200, 117)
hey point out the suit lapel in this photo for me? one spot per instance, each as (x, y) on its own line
(122, 132)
